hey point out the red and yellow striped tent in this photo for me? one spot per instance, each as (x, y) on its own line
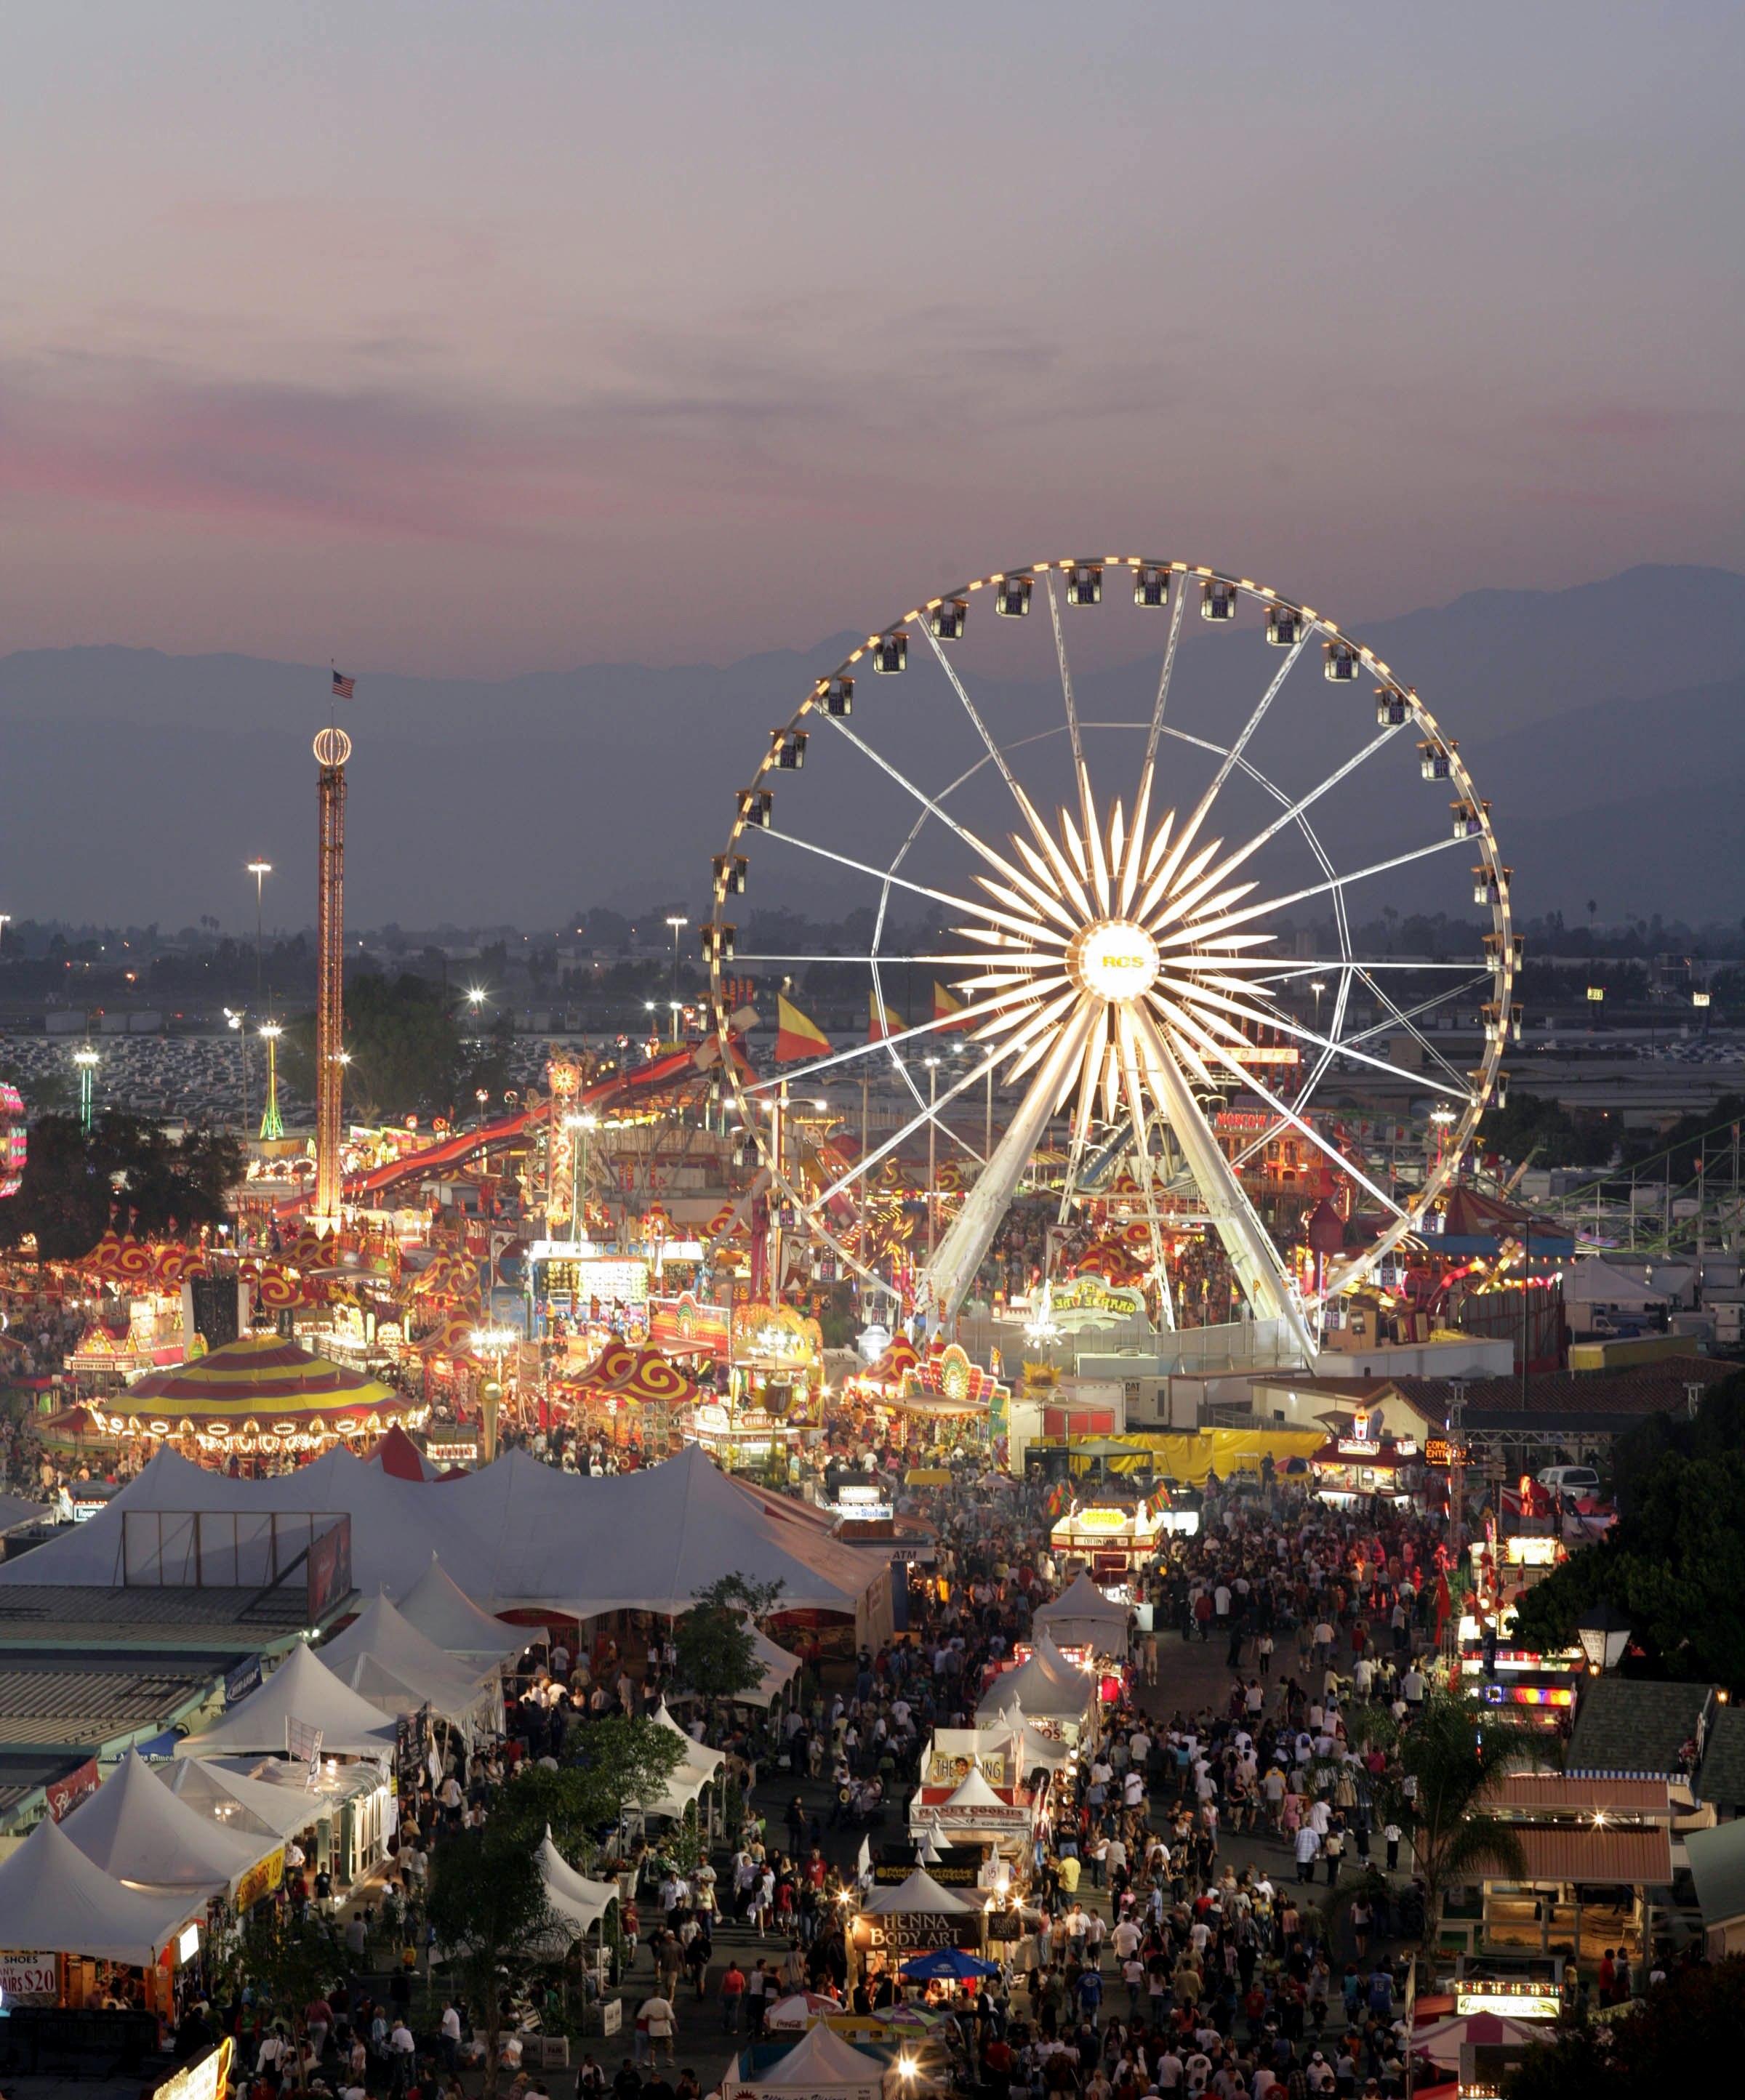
(260, 1386)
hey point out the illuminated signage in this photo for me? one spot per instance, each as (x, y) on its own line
(206, 2078)
(187, 1945)
(1510, 2002)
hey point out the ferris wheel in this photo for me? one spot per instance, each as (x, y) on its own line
(1132, 901)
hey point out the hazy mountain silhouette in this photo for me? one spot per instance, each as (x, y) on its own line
(1606, 723)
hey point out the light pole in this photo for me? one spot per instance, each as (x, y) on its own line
(933, 1128)
(234, 1021)
(678, 922)
(1317, 986)
(87, 1061)
(495, 1339)
(6, 920)
(273, 1123)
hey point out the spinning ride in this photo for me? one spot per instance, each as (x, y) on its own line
(1122, 963)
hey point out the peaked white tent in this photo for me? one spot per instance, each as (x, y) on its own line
(919, 1896)
(1038, 1691)
(698, 1767)
(440, 1609)
(214, 1787)
(55, 1901)
(1592, 1281)
(137, 1830)
(1081, 1617)
(382, 1656)
(577, 1900)
(301, 1693)
(820, 2066)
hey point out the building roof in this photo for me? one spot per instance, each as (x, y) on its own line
(1721, 1778)
(1603, 1401)
(230, 1622)
(1550, 1793)
(25, 1773)
(1718, 1866)
(94, 1702)
(1581, 1852)
(1630, 1726)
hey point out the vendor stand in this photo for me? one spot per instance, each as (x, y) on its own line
(1114, 1538)
(1368, 1463)
(917, 1915)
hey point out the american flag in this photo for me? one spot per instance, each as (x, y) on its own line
(343, 686)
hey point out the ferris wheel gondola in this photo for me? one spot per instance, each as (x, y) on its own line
(1119, 964)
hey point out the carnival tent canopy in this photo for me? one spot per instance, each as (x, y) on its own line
(639, 1375)
(384, 1658)
(258, 1385)
(301, 1694)
(580, 1902)
(1038, 1691)
(214, 1787)
(1081, 1617)
(138, 1830)
(440, 1609)
(919, 1896)
(395, 1452)
(55, 1901)
(1592, 1281)
(15, 1512)
(1443, 2040)
(973, 1791)
(820, 2066)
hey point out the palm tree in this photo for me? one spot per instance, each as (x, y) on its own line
(1458, 1752)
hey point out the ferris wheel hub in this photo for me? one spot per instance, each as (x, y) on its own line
(1114, 959)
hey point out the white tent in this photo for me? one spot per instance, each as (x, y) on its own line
(698, 1767)
(215, 1787)
(137, 1830)
(301, 1693)
(780, 1667)
(1039, 1691)
(1081, 1617)
(441, 1610)
(1592, 1281)
(919, 1896)
(383, 1656)
(820, 2066)
(55, 1901)
(577, 1900)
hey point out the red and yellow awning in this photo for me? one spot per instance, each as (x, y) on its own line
(261, 1385)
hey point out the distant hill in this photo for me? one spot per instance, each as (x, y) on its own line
(1606, 724)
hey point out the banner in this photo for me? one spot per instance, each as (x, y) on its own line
(27, 1976)
(329, 1570)
(64, 1795)
(261, 1880)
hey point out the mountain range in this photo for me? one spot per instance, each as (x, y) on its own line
(1606, 723)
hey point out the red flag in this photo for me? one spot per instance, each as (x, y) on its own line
(796, 1037)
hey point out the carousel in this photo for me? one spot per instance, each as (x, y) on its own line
(259, 1395)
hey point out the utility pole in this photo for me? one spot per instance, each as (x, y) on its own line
(1456, 1468)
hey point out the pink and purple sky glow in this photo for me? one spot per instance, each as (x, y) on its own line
(431, 335)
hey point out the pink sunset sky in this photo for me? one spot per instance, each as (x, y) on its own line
(494, 338)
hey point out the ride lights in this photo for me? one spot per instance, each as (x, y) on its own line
(754, 807)
(890, 653)
(1012, 596)
(1150, 586)
(1338, 662)
(1284, 626)
(1084, 583)
(729, 874)
(1218, 599)
(1500, 951)
(789, 748)
(717, 942)
(839, 697)
(1435, 760)
(947, 618)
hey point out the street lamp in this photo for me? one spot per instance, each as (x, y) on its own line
(496, 1340)
(1317, 986)
(678, 921)
(6, 920)
(1604, 1636)
(273, 1123)
(87, 1061)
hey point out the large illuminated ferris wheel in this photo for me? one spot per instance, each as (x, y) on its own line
(1117, 955)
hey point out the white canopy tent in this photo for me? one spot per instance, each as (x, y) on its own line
(55, 1901)
(215, 1787)
(1592, 1281)
(1038, 1691)
(697, 1770)
(821, 2066)
(301, 1694)
(918, 1896)
(138, 1831)
(384, 1658)
(440, 1609)
(577, 1900)
(1081, 1617)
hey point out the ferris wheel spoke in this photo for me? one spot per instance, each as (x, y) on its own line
(928, 802)
(878, 874)
(1095, 1048)
(879, 1044)
(1213, 1046)
(1183, 904)
(1405, 1018)
(1220, 1002)
(1245, 1239)
(1139, 1116)
(1164, 678)
(1206, 929)
(871, 1159)
(949, 1276)
(1407, 1021)
(1202, 808)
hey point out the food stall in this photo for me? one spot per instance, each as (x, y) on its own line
(1367, 1461)
(1114, 1538)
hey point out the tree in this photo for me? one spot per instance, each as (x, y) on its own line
(491, 1919)
(1678, 2039)
(1458, 1752)
(72, 1186)
(404, 1045)
(618, 1761)
(291, 1958)
(716, 1638)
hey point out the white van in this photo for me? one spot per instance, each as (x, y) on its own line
(1576, 1482)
